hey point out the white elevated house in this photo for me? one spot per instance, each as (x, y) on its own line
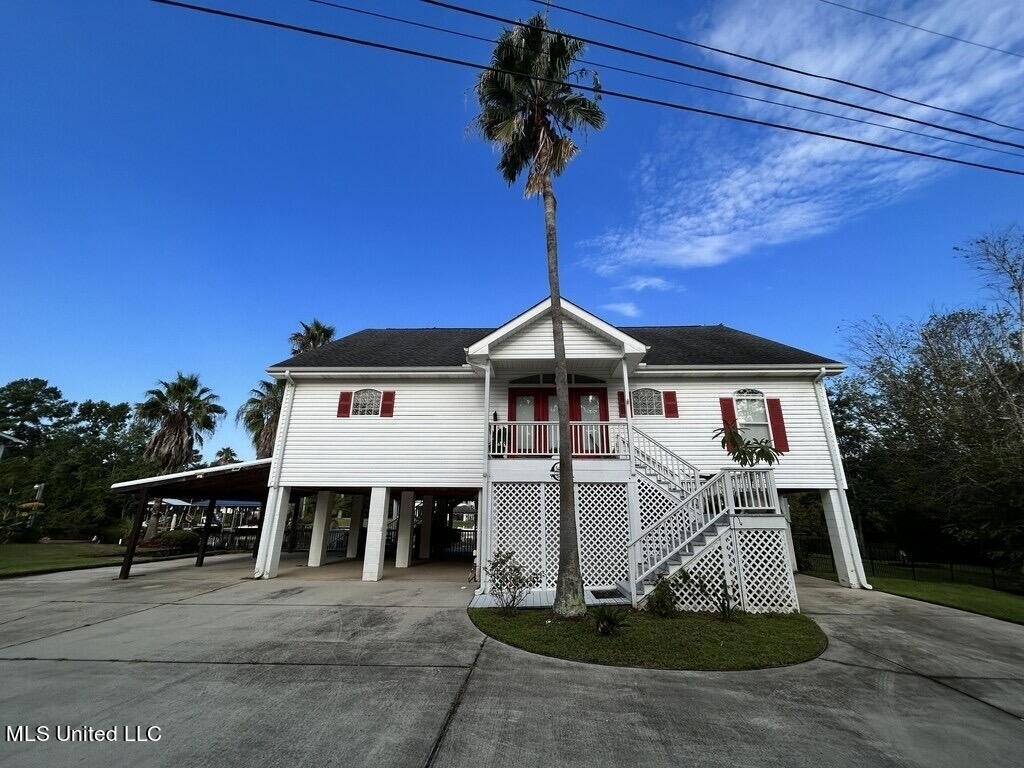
(402, 418)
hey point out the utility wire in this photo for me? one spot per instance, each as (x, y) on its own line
(684, 83)
(589, 89)
(721, 73)
(773, 64)
(922, 29)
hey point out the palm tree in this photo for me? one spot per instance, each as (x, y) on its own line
(181, 412)
(259, 415)
(225, 456)
(529, 111)
(311, 336)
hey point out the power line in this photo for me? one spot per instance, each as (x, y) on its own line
(721, 73)
(597, 91)
(922, 29)
(684, 83)
(773, 64)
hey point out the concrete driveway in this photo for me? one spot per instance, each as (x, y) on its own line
(317, 668)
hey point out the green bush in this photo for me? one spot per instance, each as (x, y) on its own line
(182, 541)
(662, 602)
(608, 620)
(23, 534)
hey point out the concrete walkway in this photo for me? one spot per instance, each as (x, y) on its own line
(318, 668)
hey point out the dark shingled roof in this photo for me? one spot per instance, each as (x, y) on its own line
(431, 347)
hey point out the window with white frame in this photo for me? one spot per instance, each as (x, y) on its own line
(751, 414)
(647, 402)
(366, 402)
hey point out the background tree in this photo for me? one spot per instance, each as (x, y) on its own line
(529, 112)
(259, 416)
(182, 412)
(311, 336)
(28, 406)
(225, 456)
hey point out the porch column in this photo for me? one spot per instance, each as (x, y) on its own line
(207, 522)
(428, 524)
(376, 531)
(321, 527)
(790, 547)
(355, 525)
(844, 548)
(404, 551)
(272, 537)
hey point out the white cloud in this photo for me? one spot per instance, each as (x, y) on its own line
(713, 191)
(641, 283)
(626, 308)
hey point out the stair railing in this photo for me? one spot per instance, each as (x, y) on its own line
(670, 468)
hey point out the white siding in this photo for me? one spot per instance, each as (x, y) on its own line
(534, 341)
(435, 437)
(807, 463)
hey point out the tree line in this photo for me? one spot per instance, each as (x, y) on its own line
(64, 456)
(931, 419)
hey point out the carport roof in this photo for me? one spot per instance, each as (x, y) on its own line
(245, 481)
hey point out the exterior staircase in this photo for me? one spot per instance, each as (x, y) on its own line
(700, 518)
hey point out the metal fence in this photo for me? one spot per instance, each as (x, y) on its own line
(888, 560)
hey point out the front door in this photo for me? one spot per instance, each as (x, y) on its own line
(587, 408)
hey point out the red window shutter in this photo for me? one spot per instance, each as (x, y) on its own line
(728, 413)
(671, 406)
(622, 405)
(344, 405)
(778, 424)
(387, 404)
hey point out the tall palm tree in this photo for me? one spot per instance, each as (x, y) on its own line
(182, 412)
(225, 456)
(529, 111)
(259, 415)
(310, 336)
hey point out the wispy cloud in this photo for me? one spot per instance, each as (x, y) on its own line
(710, 192)
(626, 308)
(641, 283)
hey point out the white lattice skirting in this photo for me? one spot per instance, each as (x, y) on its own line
(753, 561)
(524, 519)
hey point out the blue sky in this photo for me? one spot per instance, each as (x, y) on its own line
(177, 191)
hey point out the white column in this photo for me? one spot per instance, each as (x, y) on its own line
(428, 523)
(269, 558)
(790, 547)
(321, 527)
(843, 554)
(404, 551)
(376, 531)
(355, 525)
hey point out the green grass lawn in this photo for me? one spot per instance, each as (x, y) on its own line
(16, 559)
(687, 641)
(988, 602)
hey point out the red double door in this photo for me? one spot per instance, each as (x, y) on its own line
(536, 411)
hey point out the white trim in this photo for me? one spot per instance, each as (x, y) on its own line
(440, 372)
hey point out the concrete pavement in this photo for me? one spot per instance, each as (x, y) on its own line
(318, 668)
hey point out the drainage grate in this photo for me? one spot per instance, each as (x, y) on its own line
(606, 594)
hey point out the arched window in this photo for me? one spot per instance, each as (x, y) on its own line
(647, 402)
(366, 402)
(751, 414)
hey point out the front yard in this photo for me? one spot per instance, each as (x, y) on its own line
(967, 597)
(46, 557)
(687, 641)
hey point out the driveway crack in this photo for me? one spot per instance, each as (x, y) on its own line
(453, 709)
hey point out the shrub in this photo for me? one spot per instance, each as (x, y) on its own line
(24, 534)
(181, 541)
(510, 581)
(608, 620)
(662, 602)
(723, 597)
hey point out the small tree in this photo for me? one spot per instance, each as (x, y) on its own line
(510, 581)
(747, 452)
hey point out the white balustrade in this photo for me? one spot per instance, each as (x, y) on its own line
(515, 439)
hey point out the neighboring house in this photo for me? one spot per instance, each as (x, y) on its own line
(402, 419)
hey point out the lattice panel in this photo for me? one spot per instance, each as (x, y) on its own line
(516, 523)
(767, 578)
(707, 567)
(654, 503)
(551, 527)
(602, 512)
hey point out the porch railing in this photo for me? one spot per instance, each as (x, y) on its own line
(598, 439)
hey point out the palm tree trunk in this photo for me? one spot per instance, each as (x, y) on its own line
(569, 600)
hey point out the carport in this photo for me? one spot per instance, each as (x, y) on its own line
(245, 481)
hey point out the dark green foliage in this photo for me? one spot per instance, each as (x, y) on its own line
(179, 541)
(608, 620)
(747, 452)
(661, 601)
(722, 595)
